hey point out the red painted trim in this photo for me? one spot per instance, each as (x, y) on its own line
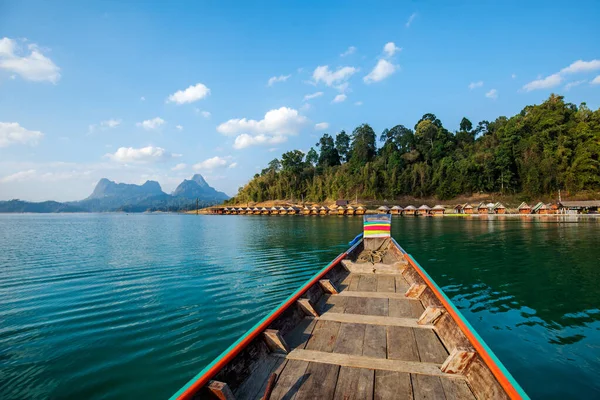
(204, 379)
(502, 379)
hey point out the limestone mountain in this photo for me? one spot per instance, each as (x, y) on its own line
(198, 188)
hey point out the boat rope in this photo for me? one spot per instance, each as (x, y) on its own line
(373, 256)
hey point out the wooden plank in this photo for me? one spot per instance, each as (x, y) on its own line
(290, 380)
(375, 343)
(401, 344)
(405, 308)
(345, 283)
(386, 284)
(415, 290)
(299, 336)
(377, 268)
(401, 284)
(367, 283)
(366, 306)
(307, 307)
(349, 360)
(320, 382)
(427, 387)
(335, 303)
(450, 333)
(458, 360)
(327, 286)
(255, 384)
(324, 336)
(354, 384)
(350, 339)
(220, 390)
(392, 385)
(430, 315)
(456, 390)
(429, 346)
(354, 282)
(373, 320)
(482, 382)
(275, 341)
(373, 295)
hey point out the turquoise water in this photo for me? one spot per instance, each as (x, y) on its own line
(129, 306)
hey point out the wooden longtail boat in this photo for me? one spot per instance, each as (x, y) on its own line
(370, 325)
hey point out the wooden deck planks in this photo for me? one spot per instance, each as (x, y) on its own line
(350, 339)
(320, 382)
(392, 385)
(456, 390)
(405, 308)
(290, 380)
(401, 284)
(323, 336)
(354, 384)
(386, 284)
(254, 386)
(401, 344)
(373, 320)
(367, 283)
(429, 346)
(427, 387)
(375, 342)
(366, 306)
(301, 334)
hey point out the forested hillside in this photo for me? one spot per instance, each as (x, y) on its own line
(546, 147)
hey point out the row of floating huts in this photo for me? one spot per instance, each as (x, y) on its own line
(424, 210)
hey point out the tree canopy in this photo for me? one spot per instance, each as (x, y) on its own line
(546, 147)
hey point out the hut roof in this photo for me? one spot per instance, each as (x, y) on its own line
(292, 209)
(248, 209)
(467, 206)
(384, 208)
(410, 208)
(580, 204)
(397, 208)
(341, 208)
(424, 207)
(438, 208)
(255, 209)
(481, 205)
(539, 206)
(349, 208)
(524, 206)
(314, 208)
(324, 208)
(264, 209)
(360, 208)
(226, 209)
(282, 208)
(490, 205)
(240, 209)
(341, 202)
(458, 207)
(498, 205)
(274, 208)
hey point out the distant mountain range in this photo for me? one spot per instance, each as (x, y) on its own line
(112, 196)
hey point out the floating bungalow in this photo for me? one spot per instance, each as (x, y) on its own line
(459, 209)
(540, 208)
(579, 207)
(341, 210)
(248, 210)
(482, 208)
(396, 210)
(333, 338)
(256, 211)
(274, 210)
(499, 208)
(324, 210)
(467, 209)
(360, 210)
(384, 210)
(350, 210)
(410, 210)
(524, 208)
(264, 211)
(293, 210)
(438, 210)
(283, 211)
(314, 210)
(305, 210)
(424, 210)
(241, 210)
(332, 211)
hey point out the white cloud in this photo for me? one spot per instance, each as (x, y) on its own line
(232, 165)
(213, 163)
(342, 87)
(321, 126)
(596, 80)
(581, 66)
(305, 107)
(492, 94)
(179, 127)
(339, 98)
(410, 19)
(570, 85)
(513, 76)
(390, 49)
(189, 95)
(142, 98)
(313, 96)
(350, 50)
(205, 114)
(34, 66)
(13, 133)
(272, 149)
(244, 140)
(323, 74)
(179, 167)
(19, 176)
(281, 78)
(382, 70)
(110, 123)
(556, 79)
(545, 83)
(282, 121)
(474, 85)
(358, 103)
(142, 155)
(151, 124)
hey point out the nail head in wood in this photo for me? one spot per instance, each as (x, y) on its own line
(275, 341)
(306, 306)
(458, 360)
(430, 315)
(220, 390)
(415, 291)
(327, 286)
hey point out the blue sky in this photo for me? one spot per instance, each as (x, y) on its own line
(133, 91)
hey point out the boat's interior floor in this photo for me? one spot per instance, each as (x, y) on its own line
(366, 344)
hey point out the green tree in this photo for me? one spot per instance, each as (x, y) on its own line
(342, 145)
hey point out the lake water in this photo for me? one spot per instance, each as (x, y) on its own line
(133, 306)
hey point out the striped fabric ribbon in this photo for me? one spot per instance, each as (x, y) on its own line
(377, 226)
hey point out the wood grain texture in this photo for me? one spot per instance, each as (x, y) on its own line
(427, 387)
(386, 284)
(367, 283)
(255, 385)
(456, 390)
(429, 346)
(401, 344)
(450, 333)
(324, 336)
(392, 385)
(401, 284)
(289, 381)
(350, 339)
(354, 384)
(405, 308)
(299, 336)
(373, 295)
(373, 320)
(482, 382)
(375, 342)
(320, 383)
